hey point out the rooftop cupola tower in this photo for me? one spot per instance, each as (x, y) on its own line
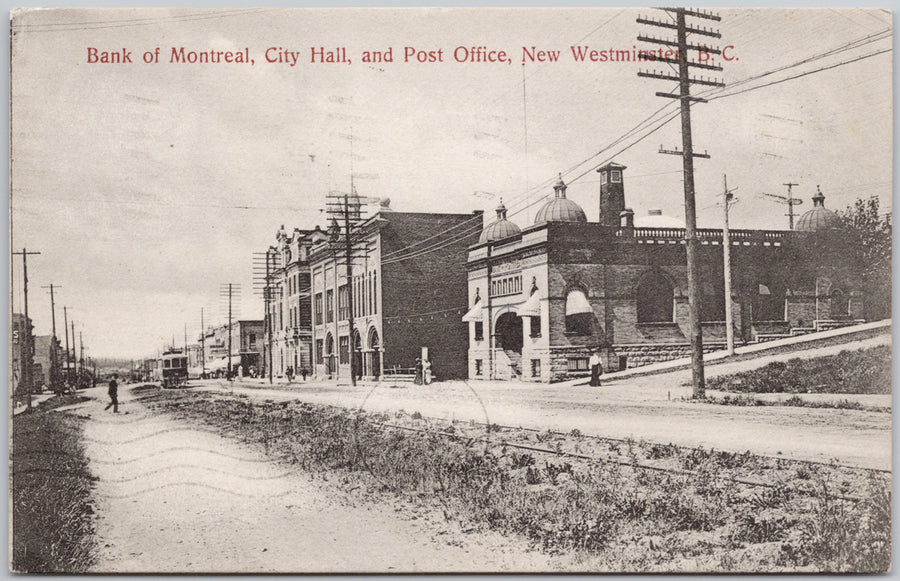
(612, 193)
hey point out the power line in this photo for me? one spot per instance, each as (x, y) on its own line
(797, 76)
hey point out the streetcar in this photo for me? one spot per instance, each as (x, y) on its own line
(172, 368)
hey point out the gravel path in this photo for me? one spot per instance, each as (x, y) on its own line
(176, 498)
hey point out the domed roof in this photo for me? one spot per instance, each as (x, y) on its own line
(500, 229)
(560, 209)
(819, 218)
(656, 219)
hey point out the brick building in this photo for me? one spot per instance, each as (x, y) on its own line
(289, 319)
(540, 299)
(408, 289)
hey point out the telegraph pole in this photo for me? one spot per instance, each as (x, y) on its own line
(74, 357)
(202, 343)
(726, 251)
(229, 331)
(229, 290)
(790, 202)
(685, 80)
(349, 251)
(54, 362)
(66, 329)
(268, 299)
(28, 360)
(81, 357)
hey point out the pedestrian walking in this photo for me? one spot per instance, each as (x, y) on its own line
(304, 372)
(290, 373)
(596, 368)
(113, 395)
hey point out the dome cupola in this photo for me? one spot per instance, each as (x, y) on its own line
(819, 218)
(560, 209)
(501, 228)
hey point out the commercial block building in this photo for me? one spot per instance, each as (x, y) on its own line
(408, 288)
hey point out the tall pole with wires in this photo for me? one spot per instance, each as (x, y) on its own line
(54, 352)
(685, 80)
(66, 329)
(726, 256)
(226, 293)
(27, 360)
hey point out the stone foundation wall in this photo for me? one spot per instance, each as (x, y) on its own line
(640, 355)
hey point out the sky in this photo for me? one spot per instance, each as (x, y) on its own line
(146, 187)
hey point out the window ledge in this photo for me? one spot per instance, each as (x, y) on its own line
(659, 324)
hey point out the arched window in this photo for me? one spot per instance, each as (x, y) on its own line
(579, 314)
(655, 299)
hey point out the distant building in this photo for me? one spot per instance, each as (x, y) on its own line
(246, 347)
(48, 357)
(19, 327)
(409, 290)
(541, 299)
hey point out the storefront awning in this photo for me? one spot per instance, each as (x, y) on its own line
(474, 315)
(531, 307)
(577, 303)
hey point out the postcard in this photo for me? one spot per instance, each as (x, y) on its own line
(443, 290)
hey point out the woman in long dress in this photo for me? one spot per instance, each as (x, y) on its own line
(418, 380)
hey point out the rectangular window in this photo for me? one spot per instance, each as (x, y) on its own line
(506, 286)
(578, 363)
(374, 293)
(319, 351)
(602, 177)
(319, 308)
(329, 306)
(479, 331)
(535, 368)
(479, 367)
(345, 349)
(616, 176)
(343, 302)
(535, 327)
(252, 341)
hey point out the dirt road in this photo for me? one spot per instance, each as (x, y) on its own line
(653, 408)
(172, 497)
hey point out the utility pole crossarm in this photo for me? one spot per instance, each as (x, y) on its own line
(694, 13)
(667, 77)
(686, 29)
(671, 61)
(667, 42)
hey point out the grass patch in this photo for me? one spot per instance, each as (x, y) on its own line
(863, 371)
(52, 527)
(616, 515)
(748, 400)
